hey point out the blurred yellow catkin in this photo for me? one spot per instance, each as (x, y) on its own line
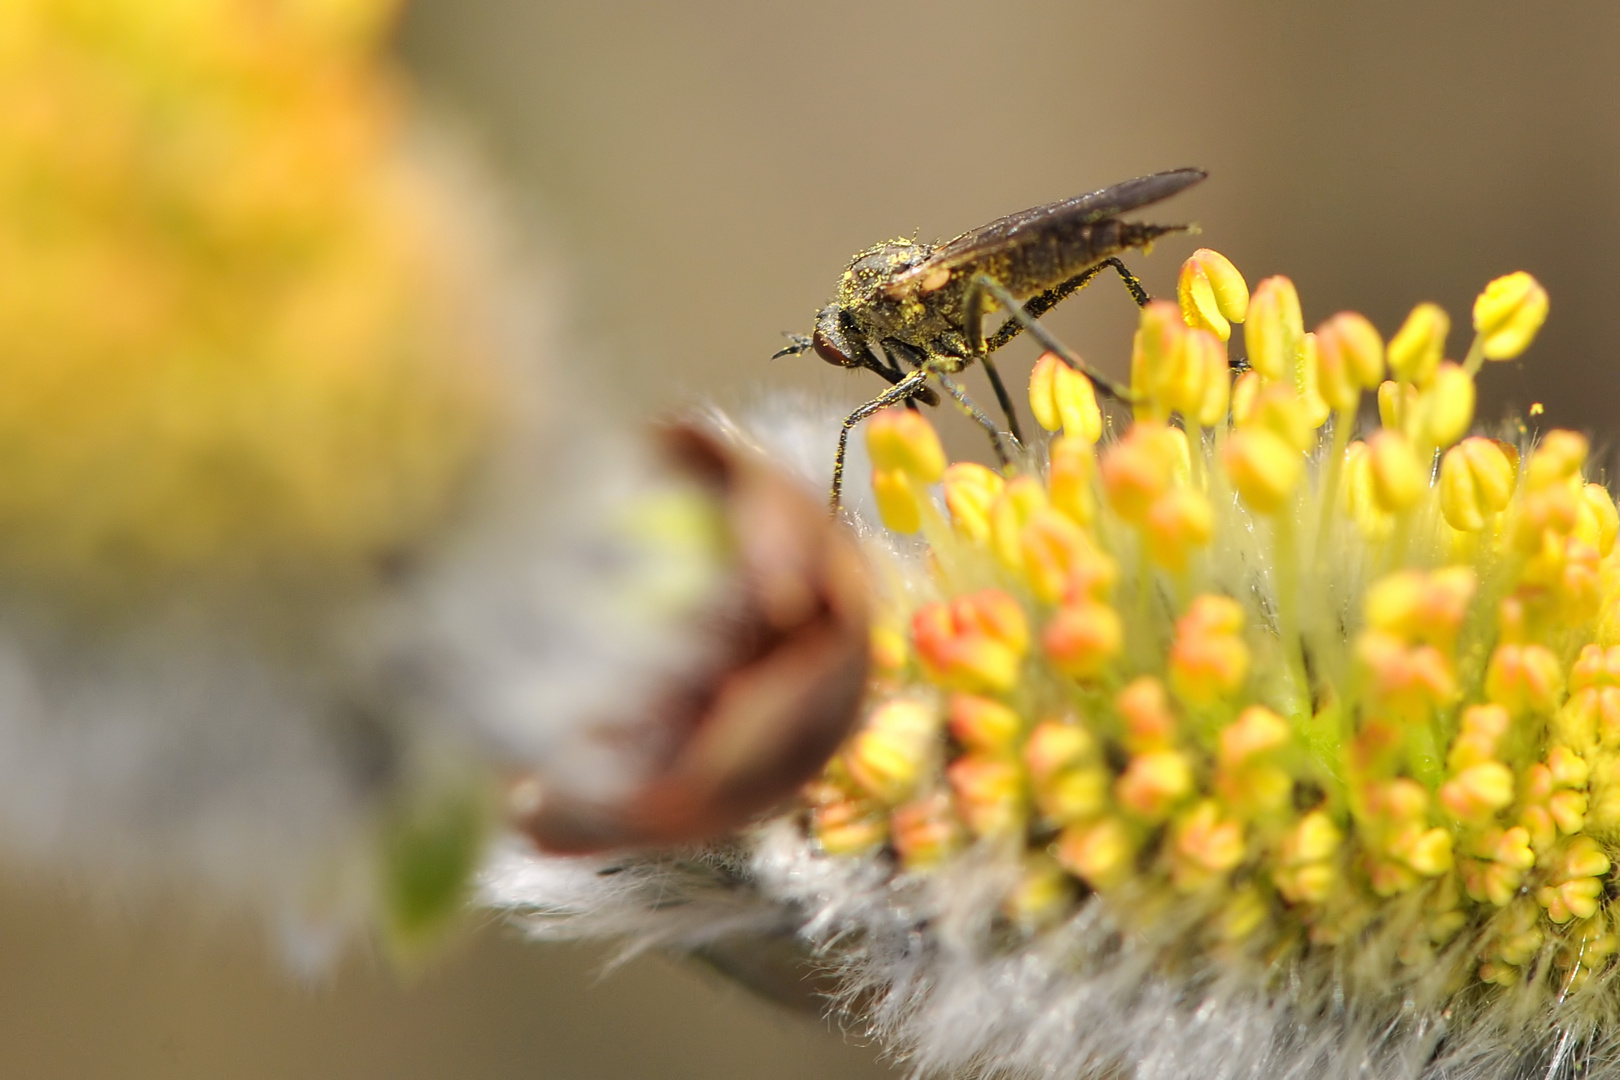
(239, 339)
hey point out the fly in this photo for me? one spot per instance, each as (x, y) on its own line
(914, 313)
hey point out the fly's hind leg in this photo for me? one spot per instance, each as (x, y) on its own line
(974, 309)
(907, 388)
(1036, 306)
(979, 417)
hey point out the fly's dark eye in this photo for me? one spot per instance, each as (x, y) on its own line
(828, 351)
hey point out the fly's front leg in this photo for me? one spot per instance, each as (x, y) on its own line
(973, 310)
(975, 304)
(903, 390)
(1036, 306)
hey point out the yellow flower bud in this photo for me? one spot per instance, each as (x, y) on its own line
(1275, 331)
(970, 492)
(1063, 399)
(1349, 359)
(1476, 793)
(1212, 293)
(1415, 350)
(1398, 478)
(1476, 482)
(1508, 314)
(1447, 405)
(1154, 783)
(1042, 896)
(896, 500)
(1263, 467)
(902, 439)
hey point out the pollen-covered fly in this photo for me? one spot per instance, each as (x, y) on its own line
(914, 312)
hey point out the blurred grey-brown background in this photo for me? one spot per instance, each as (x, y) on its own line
(701, 172)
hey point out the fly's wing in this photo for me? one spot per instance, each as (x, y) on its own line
(1110, 202)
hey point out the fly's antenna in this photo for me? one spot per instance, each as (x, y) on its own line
(797, 343)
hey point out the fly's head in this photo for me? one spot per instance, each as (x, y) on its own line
(831, 342)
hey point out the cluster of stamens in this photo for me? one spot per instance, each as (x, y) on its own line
(1324, 687)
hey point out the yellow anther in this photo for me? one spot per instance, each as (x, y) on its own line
(1063, 399)
(1245, 388)
(1524, 679)
(1205, 846)
(1415, 350)
(888, 650)
(970, 492)
(1398, 478)
(1446, 408)
(1083, 638)
(1478, 792)
(1406, 681)
(1557, 458)
(1154, 784)
(1567, 768)
(975, 643)
(1275, 331)
(1197, 381)
(1306, 873)
(1315, 839)
(1178, 521)
(1479, 731)
(1149, 723)
(1255, 732)
(848, 827)
(1312, 405)
(983, 724)
(1278, 409)
(1212, 293)
(1427, 851)
(1476, 482)
(1208, 659)
(1263, 467)
(1100, 853)
(1247, 777)
(1349, 359)
(925, 832)
(1508, 314)
(1042, 896)
(1154, 355)
(1397, 404)
(887, 756)
(1055, 746)
(1069, 783)
(1071, 464)
(1020, 501)
(896, 497)
(1419, 605)
(1141, 467)
(989, 793)
(1598, 522)
(904, 440)
(1060, 561)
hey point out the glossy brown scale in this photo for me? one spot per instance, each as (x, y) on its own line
(913, 313)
